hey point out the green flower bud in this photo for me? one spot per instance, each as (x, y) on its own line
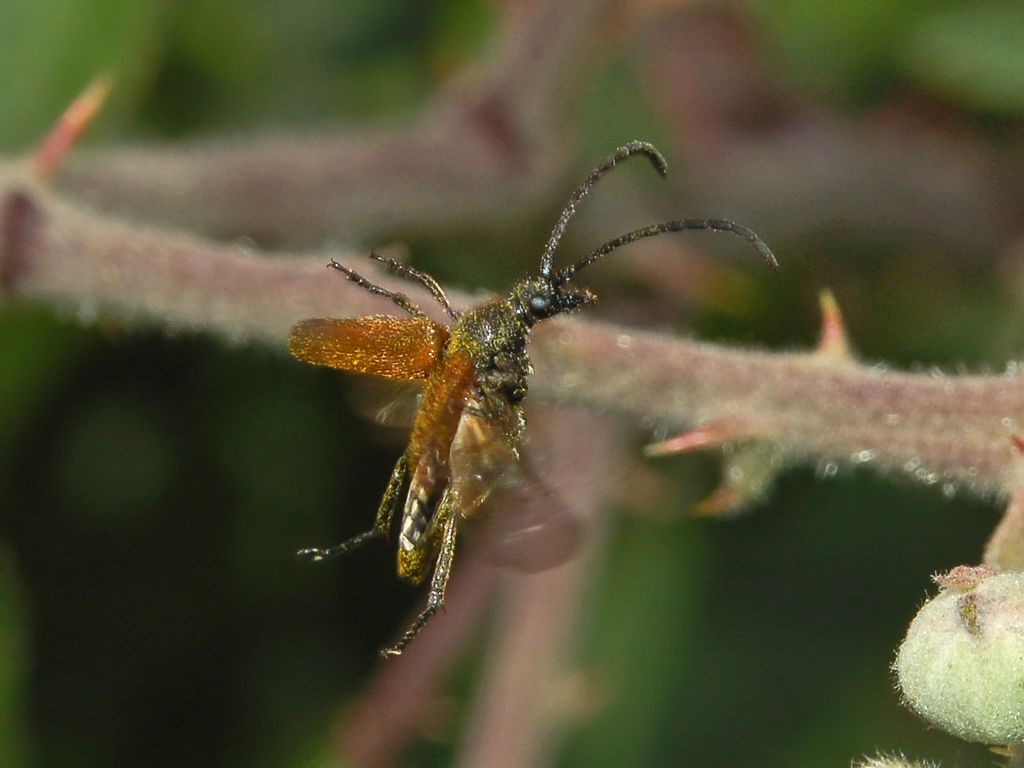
(961, 665)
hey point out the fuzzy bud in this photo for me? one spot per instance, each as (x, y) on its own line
(892, 761)
(961, 665)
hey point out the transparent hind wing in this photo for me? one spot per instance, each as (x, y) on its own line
(481, 459)
(532, 528)
(528, 527)
(387, 402)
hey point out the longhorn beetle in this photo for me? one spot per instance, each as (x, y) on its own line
(473, 372)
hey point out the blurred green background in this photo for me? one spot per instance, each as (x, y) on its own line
(153, 489)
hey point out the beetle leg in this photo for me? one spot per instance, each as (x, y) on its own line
(438, 582)
(400, 299)
(421, 277)
(386, 510)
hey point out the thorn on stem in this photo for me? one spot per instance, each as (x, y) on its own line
(71, 125)
(720, 503)
(702, 437)
(833, 343)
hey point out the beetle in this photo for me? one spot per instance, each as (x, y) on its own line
(469, 422)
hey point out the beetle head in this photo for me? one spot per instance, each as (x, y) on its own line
(538, 298)
(551, 292)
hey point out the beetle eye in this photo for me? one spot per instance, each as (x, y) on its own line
(539, 303)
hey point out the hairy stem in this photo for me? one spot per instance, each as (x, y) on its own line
(941, 429)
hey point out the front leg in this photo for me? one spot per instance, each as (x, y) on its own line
(386, 510)
(438, 582)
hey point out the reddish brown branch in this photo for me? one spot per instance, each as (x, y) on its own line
(517, 713)
(487, 145)
(940, 429)
(20, 220)
(402, 700)
(937, 428)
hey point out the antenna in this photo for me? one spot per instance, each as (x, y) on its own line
(622, 153)
(716, 225)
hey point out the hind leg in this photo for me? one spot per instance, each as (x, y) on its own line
(386, 510)
(438, 582)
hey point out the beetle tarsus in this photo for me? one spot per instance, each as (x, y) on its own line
(317, 555)
(438, 583)
(386, 510)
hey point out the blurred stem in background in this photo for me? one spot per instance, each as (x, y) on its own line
(153, 488)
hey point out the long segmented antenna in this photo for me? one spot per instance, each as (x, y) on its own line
(622, 153)
(716, 225)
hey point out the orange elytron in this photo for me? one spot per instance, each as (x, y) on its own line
(473, 373)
